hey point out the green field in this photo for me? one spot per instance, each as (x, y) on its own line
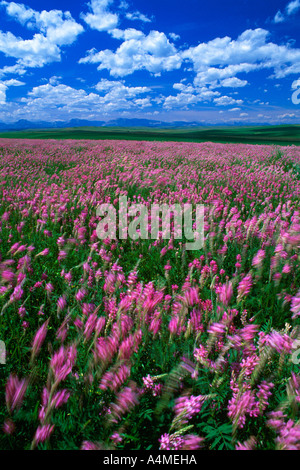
(280, 135)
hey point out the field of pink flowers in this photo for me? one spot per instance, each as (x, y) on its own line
(141, 344)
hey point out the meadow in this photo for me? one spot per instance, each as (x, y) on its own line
(142, 344)
(267, 135)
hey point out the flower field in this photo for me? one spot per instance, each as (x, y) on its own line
(141, 344)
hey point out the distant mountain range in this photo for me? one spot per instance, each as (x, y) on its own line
(23, 124)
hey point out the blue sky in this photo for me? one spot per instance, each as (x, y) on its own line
(206, 61)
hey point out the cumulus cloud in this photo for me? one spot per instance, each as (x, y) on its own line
(100, 17)
(16, 69)
(188, 95)
(152, 52)
(119, 88)
(226, 101)
(126, 34)
(56, 100)
(34, 52)
(233, 82)
(224, 57)
(57, 26)
(55, 29)
(115, 94)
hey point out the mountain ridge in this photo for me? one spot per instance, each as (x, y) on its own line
(24, 124)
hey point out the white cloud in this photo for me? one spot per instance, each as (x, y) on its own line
(224, 57)
(4, 85)
(291, 9)
(233, 82)
(189, 95)
(126, 34)
(17, 69)
(56, 101)
(54, 80)
(55, 29)
(34, 52)
(287, 115)
(57, 26)
(174, 36)
(116, 90)
(226, 101)
(152, 52)
(279, 17)
(214, 76)
(137, 15)
(100, 18)
(3, 89)
(13, 82)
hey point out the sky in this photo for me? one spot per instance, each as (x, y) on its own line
(205, 61)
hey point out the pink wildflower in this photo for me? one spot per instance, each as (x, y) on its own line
(43, 433)
(15, 390)
(244, 286)
(39, 339)
(295, 305)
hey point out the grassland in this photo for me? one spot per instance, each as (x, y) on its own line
(280, 135)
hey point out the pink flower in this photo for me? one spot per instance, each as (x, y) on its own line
(39, 339)
(49, 287)
(175, 325)
(217, 329)
(295, 305)
(60, 398)
(8, 426)
(61, 303)
(187, 407)
(43, 433)
(200, 353)
(279, 342)
(87, 445)
(148, 381)
(62, 362)
(22, 311)
(81, 294)
(258, 258)
(192, 442)
(45, 252)
(225, 293)
(90, 325)
(62, 254)
(244, 286)
(127, 399)
(8, 275)
(170, 442)
(17, 293)
(247, 445)
(116, 438)
(14, 392)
